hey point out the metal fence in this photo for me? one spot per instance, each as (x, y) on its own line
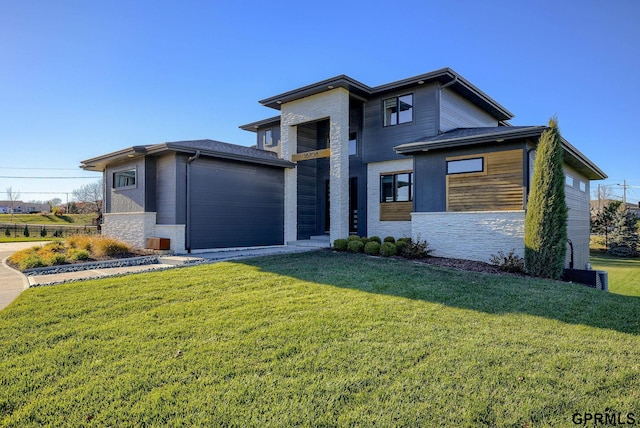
(15, 230)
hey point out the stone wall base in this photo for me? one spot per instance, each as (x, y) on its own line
(475, 235)
(135, 228)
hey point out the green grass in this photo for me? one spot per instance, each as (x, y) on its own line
(23, 239)
(317, 339)
(624, 274)
(48, 219)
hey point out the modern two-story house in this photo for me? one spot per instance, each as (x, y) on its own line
(431, 157)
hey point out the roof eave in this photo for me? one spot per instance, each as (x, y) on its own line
(254, 126)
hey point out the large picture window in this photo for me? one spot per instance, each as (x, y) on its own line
(398, 110)
(396, 187)
(125, 178)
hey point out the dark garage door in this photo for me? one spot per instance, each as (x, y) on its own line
(236, 204)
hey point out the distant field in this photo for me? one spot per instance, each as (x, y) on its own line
(69, 219)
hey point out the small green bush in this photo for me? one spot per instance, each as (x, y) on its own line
(340, 244)
(43, 232)
(365, 240)
(509, 262)
(375, 239)
(7, 232)
(356, 246)
(353, 238)
(401, 243)
(389, 239)
(31, 261)
(53, 259)
(25, 232)
(372, 248)
(388, 249)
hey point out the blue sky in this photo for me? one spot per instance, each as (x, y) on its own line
(83, 78)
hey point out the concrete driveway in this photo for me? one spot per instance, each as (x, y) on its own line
(12, 282)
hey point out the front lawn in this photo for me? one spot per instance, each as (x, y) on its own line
(317, 339)
(624, 274)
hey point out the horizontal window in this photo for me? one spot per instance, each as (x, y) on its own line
(124, 178)
(463, 166)
(396, 187)
(398, 110)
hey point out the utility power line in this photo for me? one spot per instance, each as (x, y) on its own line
(36, 168)
(50, 178)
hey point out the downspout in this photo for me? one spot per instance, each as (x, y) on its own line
(188, 198)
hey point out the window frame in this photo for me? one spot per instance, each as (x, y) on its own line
(467, 159)
(355, 140)
(394, 181)
(397, 113)
(268, 142)
(121, 172)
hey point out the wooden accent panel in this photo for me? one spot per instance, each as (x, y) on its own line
(498, 188)
(314, 154)
(396, 211)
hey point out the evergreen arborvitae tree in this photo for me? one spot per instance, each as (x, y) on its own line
(624, 236)
(546, 218)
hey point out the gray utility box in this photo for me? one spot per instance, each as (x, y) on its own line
(593, 278)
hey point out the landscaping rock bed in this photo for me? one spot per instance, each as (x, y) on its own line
(103, 264)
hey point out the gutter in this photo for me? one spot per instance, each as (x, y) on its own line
(188, 198)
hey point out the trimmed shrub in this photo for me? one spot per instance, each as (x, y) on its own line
(25, 232)
(353, 238)
(545, 236)
(43, 232)
(509, 262)
(356, 246)
(389, 239)
(388, 249)
(340, 244)
(372, 248)
(365, 240)
(401, 244)
(375, 239)
(7, 232)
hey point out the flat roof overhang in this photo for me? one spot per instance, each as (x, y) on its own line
(452, 139)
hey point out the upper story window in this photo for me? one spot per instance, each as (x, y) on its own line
(396, 187)
(125, 178)
(353, 143)
(398, 110)
(267, 139)
(464, 166)
(568, 180)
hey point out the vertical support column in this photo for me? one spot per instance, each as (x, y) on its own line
(339, 167)
(289, 146)
(333, 104)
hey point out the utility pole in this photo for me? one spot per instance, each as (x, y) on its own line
(624, 191)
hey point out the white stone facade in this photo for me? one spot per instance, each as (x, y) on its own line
(135, 228)
(474, 235)
(375, 227)
(333, 105)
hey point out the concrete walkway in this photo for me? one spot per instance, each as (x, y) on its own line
(12, 282)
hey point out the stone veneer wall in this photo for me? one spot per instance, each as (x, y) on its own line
(135, 228)
(333, 104)
(375, 227)
(475, 235)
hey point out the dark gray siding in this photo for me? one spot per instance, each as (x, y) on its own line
(275, 132)
(379, 141)
(430, 172)
(166, 191)
(235, 204)
(127, 199)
